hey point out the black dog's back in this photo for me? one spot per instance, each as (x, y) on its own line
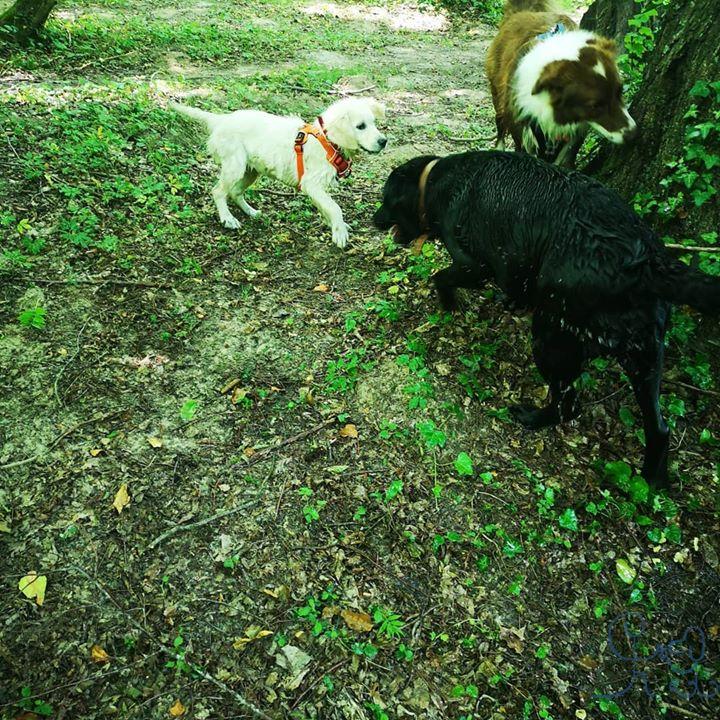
(551, 238)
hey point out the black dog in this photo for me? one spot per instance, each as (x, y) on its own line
(598, 280)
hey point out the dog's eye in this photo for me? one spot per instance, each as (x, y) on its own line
(361, 126)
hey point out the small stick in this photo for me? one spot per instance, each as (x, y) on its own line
(246, 704)
(18, 463)
(682, 711)
(314, 684)
(693, 387)
(266, 452)
(692, 248)
(206, 521)
(352, 92)
(99, 281)
(472, 139)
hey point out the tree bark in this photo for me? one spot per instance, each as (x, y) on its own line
(687, 49)
(23, 20)
(609, 18)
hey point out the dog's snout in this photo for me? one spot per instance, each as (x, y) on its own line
(382, 141)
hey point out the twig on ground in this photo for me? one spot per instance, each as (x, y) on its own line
(99, 281)
(206, 521)
(353, 92)
(317, 682)
(692, 248)
(472, 139)
(712, 393)
(683, 711)
(243, 702)
(100, 418)
(263, 454)
(96, 61)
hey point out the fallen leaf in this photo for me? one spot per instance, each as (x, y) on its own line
(155, 442)
(322, 287)
(358, 621)
(248, 452)
(33, 586)
(714, 631)
(588, 662)
(349, 431)
(625, 571)
(514, 638)
(296, 662)
(122, 498)
(177, 709)
(95, 452)
(271, 592)
(4, 527)
(254, 632)
(238, 394)
(98, 654)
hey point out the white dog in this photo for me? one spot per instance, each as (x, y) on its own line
(248, 143)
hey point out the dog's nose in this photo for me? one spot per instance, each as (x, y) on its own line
(382, 142)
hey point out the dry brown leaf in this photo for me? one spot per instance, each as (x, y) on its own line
(349, 431)
(358, 621)
(98, 654)
(322, 287)
(514, 638)
(248, 452)
(588, 662)
(122, 498)
(155, 442)
(177, 709)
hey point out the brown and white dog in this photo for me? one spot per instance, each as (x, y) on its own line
(552, 82)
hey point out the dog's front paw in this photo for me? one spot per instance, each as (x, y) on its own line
(341, 236)
(535, 418)
(231, 222)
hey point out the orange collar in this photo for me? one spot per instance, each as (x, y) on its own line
(332, 151)
(422, 210)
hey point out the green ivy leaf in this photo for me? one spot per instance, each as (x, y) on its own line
(463, 464)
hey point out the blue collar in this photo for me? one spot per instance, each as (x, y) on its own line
(558, 29)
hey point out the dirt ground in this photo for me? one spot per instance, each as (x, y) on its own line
(264, 477)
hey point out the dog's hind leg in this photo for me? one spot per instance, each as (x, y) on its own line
(238, 193)
(559, 357)
(232, 170)
(458, 276)
(645, 371)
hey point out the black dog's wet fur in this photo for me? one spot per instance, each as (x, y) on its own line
(597, 279)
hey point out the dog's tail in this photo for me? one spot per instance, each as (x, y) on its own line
(677, 283)
(514, 6)
(206, 118)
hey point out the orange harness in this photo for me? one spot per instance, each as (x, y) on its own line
(332, 151)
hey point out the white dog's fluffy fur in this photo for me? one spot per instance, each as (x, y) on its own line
(249, 143)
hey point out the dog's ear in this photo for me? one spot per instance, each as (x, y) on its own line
(377, 109)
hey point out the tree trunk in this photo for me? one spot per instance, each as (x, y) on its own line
(609, 18)
(687, 50)
(23, 20)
